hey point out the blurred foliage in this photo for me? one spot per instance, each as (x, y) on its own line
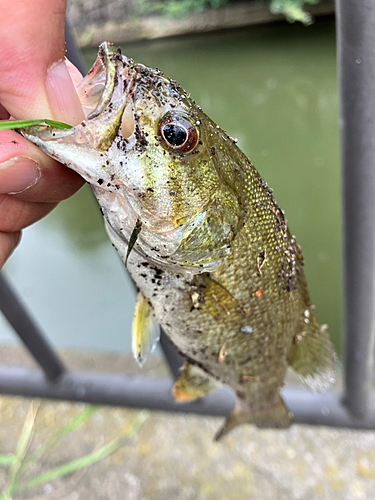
(174, 8)
(291, 9)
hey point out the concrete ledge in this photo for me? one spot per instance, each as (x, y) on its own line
(232, 16)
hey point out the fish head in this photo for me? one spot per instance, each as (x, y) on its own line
(148, 152)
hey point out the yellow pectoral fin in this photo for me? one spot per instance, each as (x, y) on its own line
(145, 330)
(193, 383)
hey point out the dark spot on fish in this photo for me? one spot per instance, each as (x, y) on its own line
(144, 275)
(245, 361)
(100, 182)
(14, 142)
(213, 151)
(172, 193)
(241, 395)
(145, 264)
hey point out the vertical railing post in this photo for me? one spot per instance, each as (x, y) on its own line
(356, 71)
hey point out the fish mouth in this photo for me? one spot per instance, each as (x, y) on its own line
(106, 97)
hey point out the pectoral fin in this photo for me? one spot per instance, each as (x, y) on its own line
(313, 358)
(269, 414)
(145, 330)
(193, 383)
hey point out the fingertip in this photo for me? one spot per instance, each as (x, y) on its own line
(74, 73)
(34, 176)
(62, 95)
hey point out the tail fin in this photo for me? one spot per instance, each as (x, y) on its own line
(273, 414)
(313, 357)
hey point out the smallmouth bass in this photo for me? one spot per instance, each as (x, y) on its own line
(202, 237)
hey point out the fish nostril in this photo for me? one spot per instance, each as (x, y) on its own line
(127, 122)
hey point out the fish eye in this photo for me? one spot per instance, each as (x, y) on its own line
(178, 133)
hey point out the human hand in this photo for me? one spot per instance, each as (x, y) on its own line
(35, 82)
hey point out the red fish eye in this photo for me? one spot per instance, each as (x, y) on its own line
(178, 133)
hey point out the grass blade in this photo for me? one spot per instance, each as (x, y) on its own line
(61, 125)
(7, 459)
(14, 124)
(22, 444)
(69, 427)
(89, 459)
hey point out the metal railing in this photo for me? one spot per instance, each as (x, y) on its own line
(355, 407)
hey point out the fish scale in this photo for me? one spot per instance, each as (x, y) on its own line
(203, 238)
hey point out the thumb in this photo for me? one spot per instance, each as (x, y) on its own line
(35, 82)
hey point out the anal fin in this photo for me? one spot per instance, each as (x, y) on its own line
(268, 414)
(313, 357)
(192, 384)
(145, 330)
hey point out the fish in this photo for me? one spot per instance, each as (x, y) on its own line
(202, 237)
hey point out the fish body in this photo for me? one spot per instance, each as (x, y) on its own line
(202, 236)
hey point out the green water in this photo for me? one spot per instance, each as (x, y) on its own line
(274, 88)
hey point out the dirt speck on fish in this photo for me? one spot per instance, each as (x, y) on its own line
(210, 250)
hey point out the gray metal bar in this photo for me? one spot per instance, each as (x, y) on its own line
(171, 354)
(72, 51)
(356, 66)
(28, 332)
(155, 394)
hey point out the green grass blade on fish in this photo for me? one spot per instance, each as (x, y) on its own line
(15, 124)
(61, 125)
(89, 459)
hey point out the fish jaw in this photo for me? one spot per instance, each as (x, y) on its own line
(104, 94)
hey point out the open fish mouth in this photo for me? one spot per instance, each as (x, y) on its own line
(106, 97)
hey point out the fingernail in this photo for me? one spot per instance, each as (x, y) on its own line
(18, 174)
(62, 95)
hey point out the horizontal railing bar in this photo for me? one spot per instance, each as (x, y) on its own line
(155, 394)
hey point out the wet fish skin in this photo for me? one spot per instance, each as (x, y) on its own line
(214, 257)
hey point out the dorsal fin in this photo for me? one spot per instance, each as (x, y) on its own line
(313, 358)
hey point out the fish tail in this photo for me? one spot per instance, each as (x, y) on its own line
(271, 414)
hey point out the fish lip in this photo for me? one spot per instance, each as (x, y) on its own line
(115, 66)
(102, 123)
